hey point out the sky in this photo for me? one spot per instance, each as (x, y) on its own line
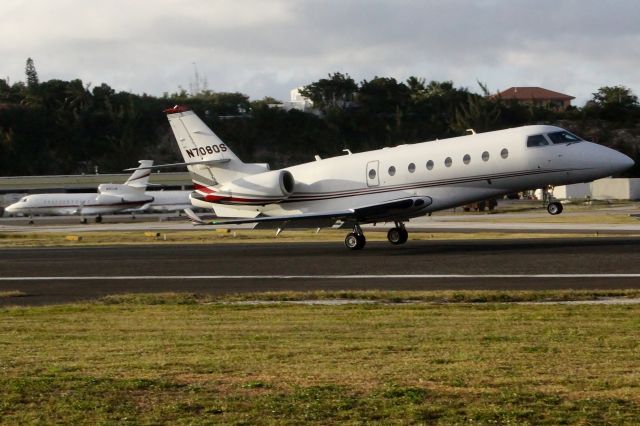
(268, 47)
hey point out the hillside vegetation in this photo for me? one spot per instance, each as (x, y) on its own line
(64, 127)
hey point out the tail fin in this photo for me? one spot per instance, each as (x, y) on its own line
(140, 177)
(209, 160)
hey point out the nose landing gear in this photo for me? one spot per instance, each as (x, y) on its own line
(554, 208)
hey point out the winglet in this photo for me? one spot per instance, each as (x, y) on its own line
(176, 109)
(193, 217)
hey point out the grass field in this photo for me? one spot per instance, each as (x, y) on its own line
(182, 359)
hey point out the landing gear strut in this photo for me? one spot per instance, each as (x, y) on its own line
(398, 235)
(553, 207)
(355, 240)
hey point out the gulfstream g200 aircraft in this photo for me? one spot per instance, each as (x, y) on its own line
(384, 185)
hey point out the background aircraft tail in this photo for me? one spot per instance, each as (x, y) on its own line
(140, 177)
(209, 160)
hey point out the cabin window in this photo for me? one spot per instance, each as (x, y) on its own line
(448, 161)
(504, 153)
(466, 159)
(536, 140)
(412, 167)
(563, 137)
(372, 174)
(392, 171)
(485, 156)
(430, 165)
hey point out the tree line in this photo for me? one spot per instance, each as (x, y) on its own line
(72, 127)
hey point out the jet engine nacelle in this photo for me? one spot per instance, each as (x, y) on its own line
(109, 199)
(117, 193)
(276, 185)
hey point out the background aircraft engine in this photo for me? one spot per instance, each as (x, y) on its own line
(117, 194)
(109, 199)
(275, 186)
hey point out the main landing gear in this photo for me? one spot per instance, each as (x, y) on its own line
(355, 240)
(397, 235)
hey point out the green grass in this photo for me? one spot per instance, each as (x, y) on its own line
(184, 359)
(377, 296)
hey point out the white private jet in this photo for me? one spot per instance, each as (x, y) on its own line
(110, 198)
(384, 185)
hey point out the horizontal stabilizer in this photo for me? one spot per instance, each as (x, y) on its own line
(194, 217)
(165, 166)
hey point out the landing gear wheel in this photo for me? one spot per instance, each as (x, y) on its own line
(98, 219)
(397, 236)
(83, 220)
(554, 208)
(354, 241)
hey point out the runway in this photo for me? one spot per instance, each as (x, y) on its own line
(59, 275)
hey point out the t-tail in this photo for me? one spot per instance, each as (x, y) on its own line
(132, 191)
(220, 179)
(209, 160)
(140, 176)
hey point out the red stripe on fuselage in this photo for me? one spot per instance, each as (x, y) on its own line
(209, 195)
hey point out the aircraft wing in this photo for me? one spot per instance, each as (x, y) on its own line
(388, 210)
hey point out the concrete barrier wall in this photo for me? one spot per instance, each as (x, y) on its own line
(571, 192)
(601, 189)
(616, 189)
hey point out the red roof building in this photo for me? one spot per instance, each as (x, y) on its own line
(536, 96)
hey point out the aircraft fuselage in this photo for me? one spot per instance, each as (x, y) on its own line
(451, 172)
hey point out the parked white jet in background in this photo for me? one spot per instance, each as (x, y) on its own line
(166, 201)
(110, 198)
(384, 185)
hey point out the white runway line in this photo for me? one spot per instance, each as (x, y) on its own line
(310, 277)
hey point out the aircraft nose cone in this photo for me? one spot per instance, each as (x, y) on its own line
(621, 162)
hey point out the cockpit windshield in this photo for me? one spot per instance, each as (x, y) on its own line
(537, 140)
(563, 137)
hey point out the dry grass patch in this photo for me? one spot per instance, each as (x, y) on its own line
(7, 294)
(108, 238)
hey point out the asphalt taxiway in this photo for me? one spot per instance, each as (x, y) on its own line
(58, 275)
(443, 222)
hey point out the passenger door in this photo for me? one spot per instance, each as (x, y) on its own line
(373, 178)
